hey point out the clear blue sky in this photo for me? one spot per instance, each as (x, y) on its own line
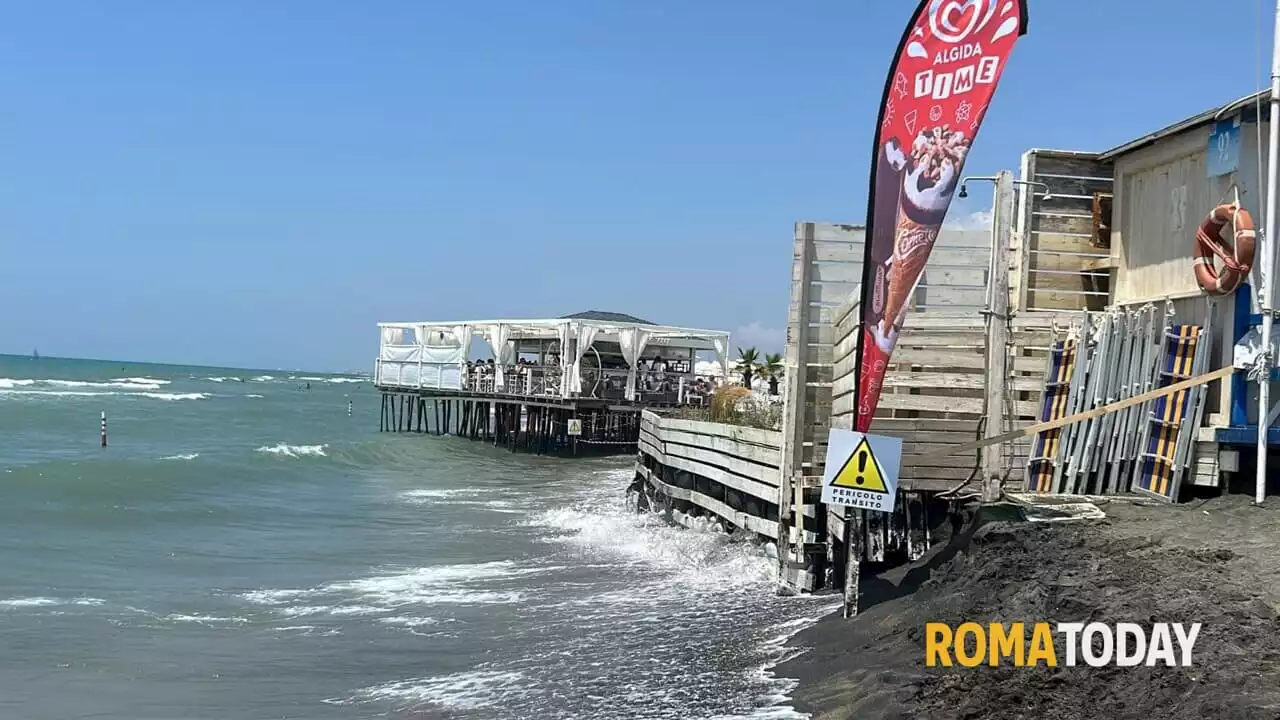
(258, 183)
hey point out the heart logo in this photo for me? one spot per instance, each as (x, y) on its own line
(952, 21)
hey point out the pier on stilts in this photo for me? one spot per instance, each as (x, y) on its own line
(571, 386)
(541, 428)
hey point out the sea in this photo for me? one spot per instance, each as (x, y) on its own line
(248, 545)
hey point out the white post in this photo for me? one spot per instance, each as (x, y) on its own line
(420, 334)
(1265, 268)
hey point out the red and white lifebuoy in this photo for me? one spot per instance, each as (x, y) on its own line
(1236, 258)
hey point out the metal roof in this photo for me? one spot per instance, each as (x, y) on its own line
(1261, 97)
(604, 316)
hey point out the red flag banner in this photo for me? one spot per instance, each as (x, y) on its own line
(946, 69)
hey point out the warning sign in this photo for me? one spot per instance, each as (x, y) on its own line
(575, 427)
(861, 470)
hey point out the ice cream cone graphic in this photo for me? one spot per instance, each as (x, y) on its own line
(936, 157)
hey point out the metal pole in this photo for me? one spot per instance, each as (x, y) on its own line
(104, 428)
(1268, 264)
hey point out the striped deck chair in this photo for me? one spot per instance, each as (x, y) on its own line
(1057, 388)
(1156, 471)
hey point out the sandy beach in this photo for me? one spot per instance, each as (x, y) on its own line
(1216, 562)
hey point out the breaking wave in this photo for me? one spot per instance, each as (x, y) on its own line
(147, 387)
(392, 592)
(473, 690)
(294, 451)
(40, 601)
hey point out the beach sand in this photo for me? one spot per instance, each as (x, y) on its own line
(1215, 562)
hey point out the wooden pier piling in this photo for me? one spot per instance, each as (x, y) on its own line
(534, 425)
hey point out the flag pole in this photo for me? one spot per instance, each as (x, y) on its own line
(1266, 267)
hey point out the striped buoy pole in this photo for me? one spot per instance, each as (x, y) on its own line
(104, 428)
(348, 408)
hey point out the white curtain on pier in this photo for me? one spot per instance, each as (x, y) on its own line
(562, 359)
(632, 340)
(462, 334)
(451, 376)
(395, 336)
(721, 343)
(503, 351)
(586, 336)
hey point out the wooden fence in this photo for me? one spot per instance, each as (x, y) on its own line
(1062, 242)
(826, 273)
(732, 473)
(935, 388)
(726, 470)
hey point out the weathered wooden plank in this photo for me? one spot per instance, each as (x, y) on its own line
(941, 339)
(1064, 203)
(833, 232)
(737, 433)
(768, 528)
(1062, 222)
(916, 438)
(949, 405)
(768, 456)
(897, 426)
(1044, 243)
(843, 272)
(1069, 261)
(767, 475)
(1057, 300)
(1058, 282)
(916, 478)
(1058, 162)
(820, 355)
(822, 316)
(955, 381)
(832, 294)
(673, 456)
(900, 377)
(1061, 184)
(852, 252)
(953, 358)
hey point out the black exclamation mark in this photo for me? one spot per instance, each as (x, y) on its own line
(862, 466)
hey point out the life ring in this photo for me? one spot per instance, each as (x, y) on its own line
(1236, 260)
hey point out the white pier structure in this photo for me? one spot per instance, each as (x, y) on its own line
(602, 355)
(568, 385)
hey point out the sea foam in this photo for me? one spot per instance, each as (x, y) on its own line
(294, 451)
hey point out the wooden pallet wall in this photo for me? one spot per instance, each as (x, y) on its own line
(826, 275)
(934, 389)
(1061, 244)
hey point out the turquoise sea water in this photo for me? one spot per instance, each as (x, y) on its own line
(245, 549)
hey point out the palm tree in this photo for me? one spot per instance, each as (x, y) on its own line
(748, 364)
(772, 370)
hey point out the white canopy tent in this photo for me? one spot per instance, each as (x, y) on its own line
(432, 354)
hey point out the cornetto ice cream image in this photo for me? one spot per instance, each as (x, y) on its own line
(931, 178)
(891, 160)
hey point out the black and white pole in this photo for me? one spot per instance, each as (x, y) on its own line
(104, 428)
(348, 408)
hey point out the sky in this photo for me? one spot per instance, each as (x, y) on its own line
(257, 184)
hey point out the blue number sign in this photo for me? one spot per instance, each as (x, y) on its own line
(1224, 148)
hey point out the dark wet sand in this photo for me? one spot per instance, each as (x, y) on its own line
(1215, 562)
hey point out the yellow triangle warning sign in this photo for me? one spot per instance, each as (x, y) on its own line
(861, 471)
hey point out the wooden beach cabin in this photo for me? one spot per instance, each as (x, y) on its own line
(1165, 183)
(570, 385)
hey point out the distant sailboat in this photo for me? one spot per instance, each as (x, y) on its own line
(35, 354)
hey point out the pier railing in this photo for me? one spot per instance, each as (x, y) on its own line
(542, 381)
